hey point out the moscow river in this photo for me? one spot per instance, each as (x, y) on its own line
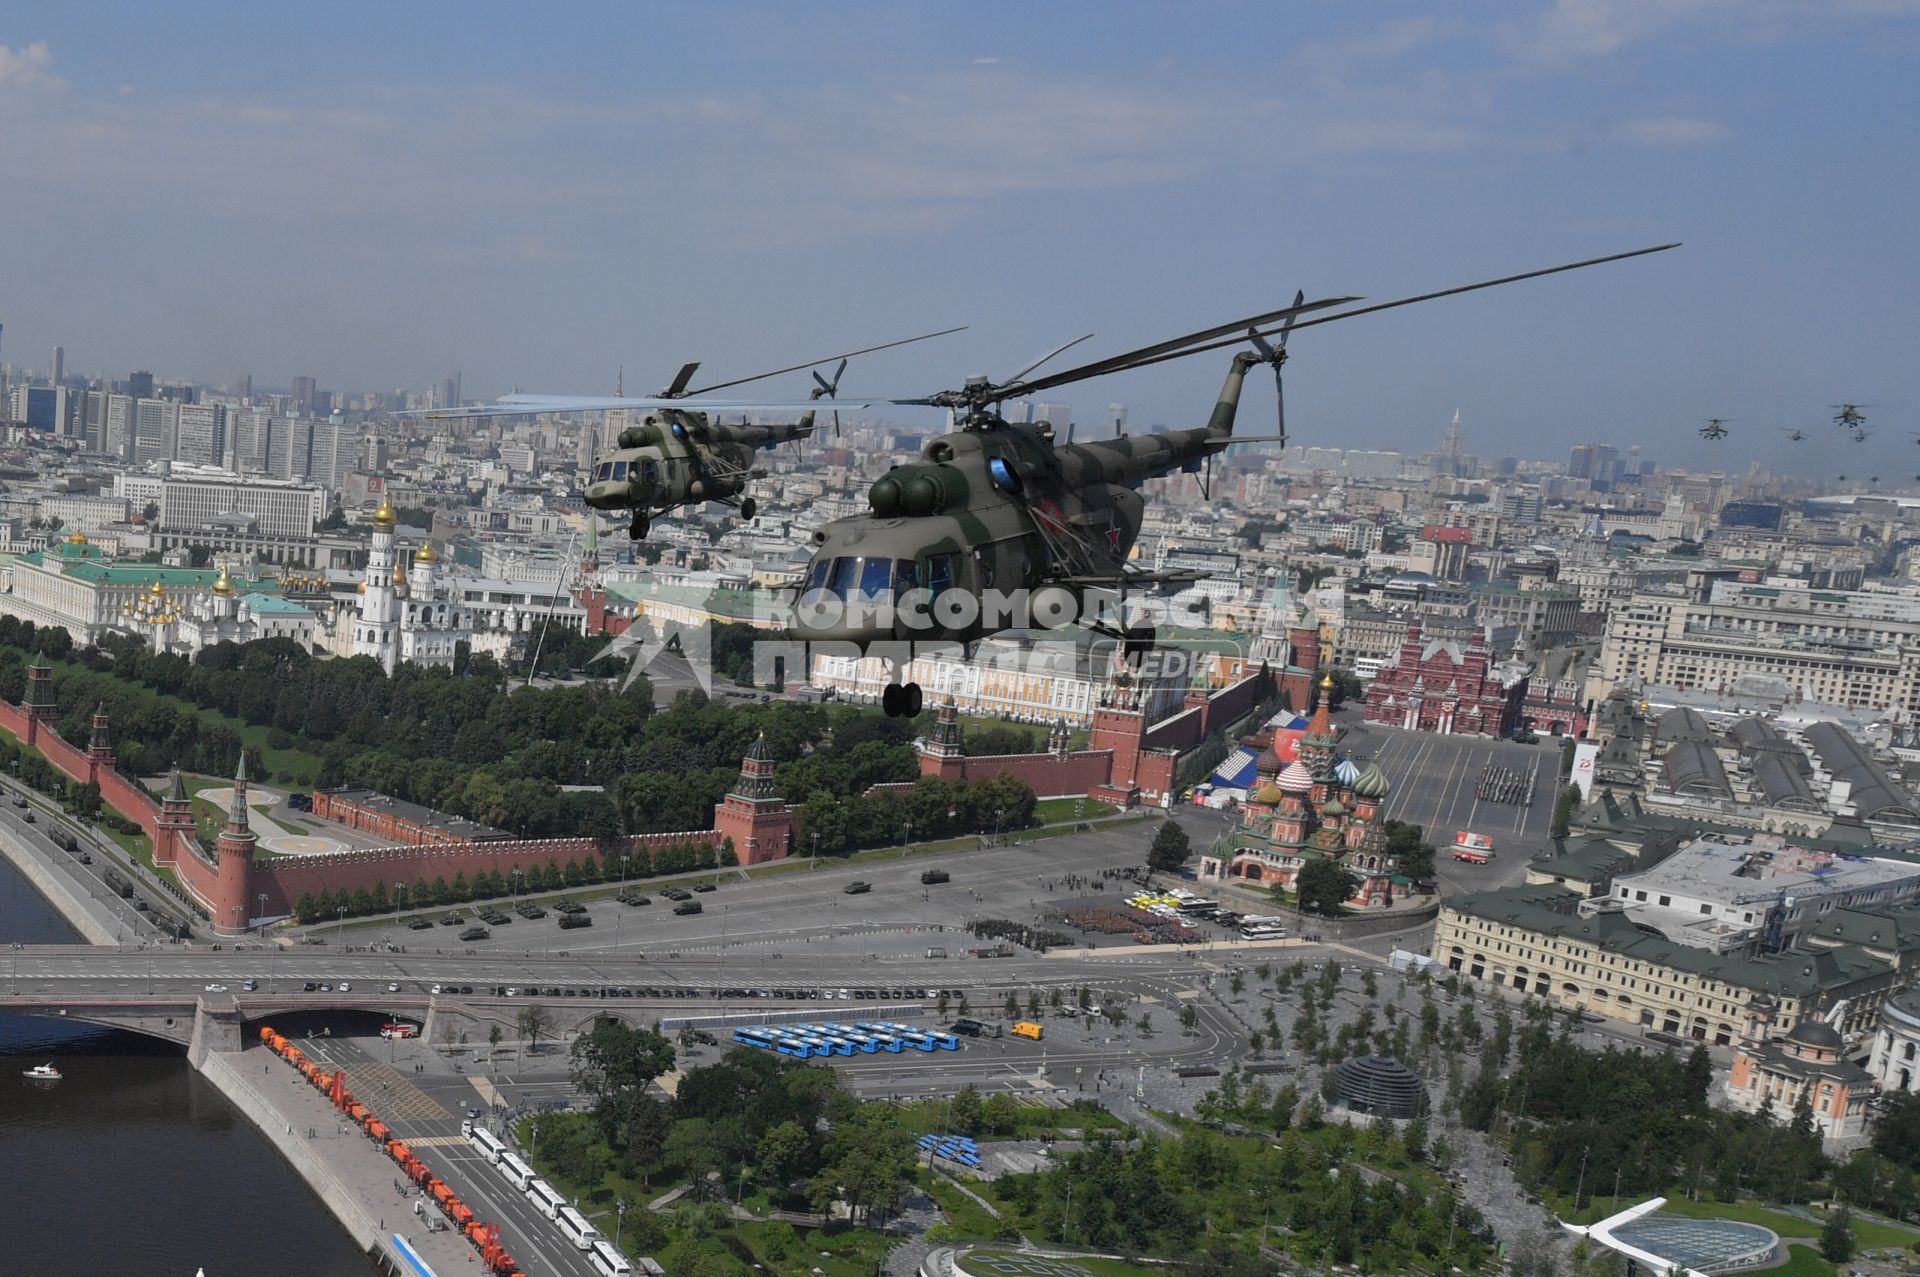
(132, 1164)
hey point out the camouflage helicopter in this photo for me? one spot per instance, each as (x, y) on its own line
(1716, 428)
(678, 454)
(1001, 525)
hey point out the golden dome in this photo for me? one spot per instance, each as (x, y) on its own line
(1270, 794)
(362, 587)
(399, 574)
(1326, 684)
(78, 538)
(426, 554)
(384, 517)
(223, 585)
(155, 590)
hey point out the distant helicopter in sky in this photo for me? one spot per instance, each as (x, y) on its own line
(1794, 436)
(1716, 428)
(679, 454)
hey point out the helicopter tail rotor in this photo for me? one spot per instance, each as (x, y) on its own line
(1275, 353)
(827, 389)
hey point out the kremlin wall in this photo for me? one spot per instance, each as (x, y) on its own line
(1129, 762)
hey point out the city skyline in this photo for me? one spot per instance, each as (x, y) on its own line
(384, 201)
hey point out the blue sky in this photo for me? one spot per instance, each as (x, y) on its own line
(380, 194)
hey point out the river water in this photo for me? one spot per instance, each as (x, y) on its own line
(132, 1164)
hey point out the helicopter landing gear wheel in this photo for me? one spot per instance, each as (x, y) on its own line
(637, 530)
(901, 700)
(747, 509)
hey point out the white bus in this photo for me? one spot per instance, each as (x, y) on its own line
(577, 1230)
(517, 1172)
(608, 1260)
(487, 1144)
(545, 1198)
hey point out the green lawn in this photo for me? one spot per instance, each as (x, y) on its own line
(282, 764)
(1803, 1261)
(967, 1220)
(788, 1250)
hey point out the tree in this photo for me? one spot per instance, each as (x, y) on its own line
(1170, 847)
(1836, 1237)
(614, 1059)
(782, 1153)
(533, 1021)
(1563, 810)
(1000, 1115)
(1012, 1006)
(963, 1111)
(1324, 886)
(645, 1135)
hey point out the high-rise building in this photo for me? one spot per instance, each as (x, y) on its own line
(59, 370)
(303, 388)
(114, 424)
(200, 434)
(140, 385)
(446, 392)
(1594, 462)
(36, 407)
(248, 433)
(154, 422)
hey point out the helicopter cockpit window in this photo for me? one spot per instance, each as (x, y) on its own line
(906, 577)
(817, 578)
(939, 574)
(649, 472)
(876, 580)
(619, 471)
(845, 572)
(1002, 475)
(603, 472)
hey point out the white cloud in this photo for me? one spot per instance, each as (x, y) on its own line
(29, 70)
(1671, 131)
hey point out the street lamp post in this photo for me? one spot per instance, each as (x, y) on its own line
(814, 862)
(998, 815)
(263, 912)
(341, 927)
(619, 1219)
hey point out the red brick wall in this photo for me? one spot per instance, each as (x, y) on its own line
(1048, 775)
(1183, 730)
(286, 879)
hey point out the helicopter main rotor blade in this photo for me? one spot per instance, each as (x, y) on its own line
(1173, 347)
(1043, 359)
(680, 380)
(1368, 310)
(812, 363)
